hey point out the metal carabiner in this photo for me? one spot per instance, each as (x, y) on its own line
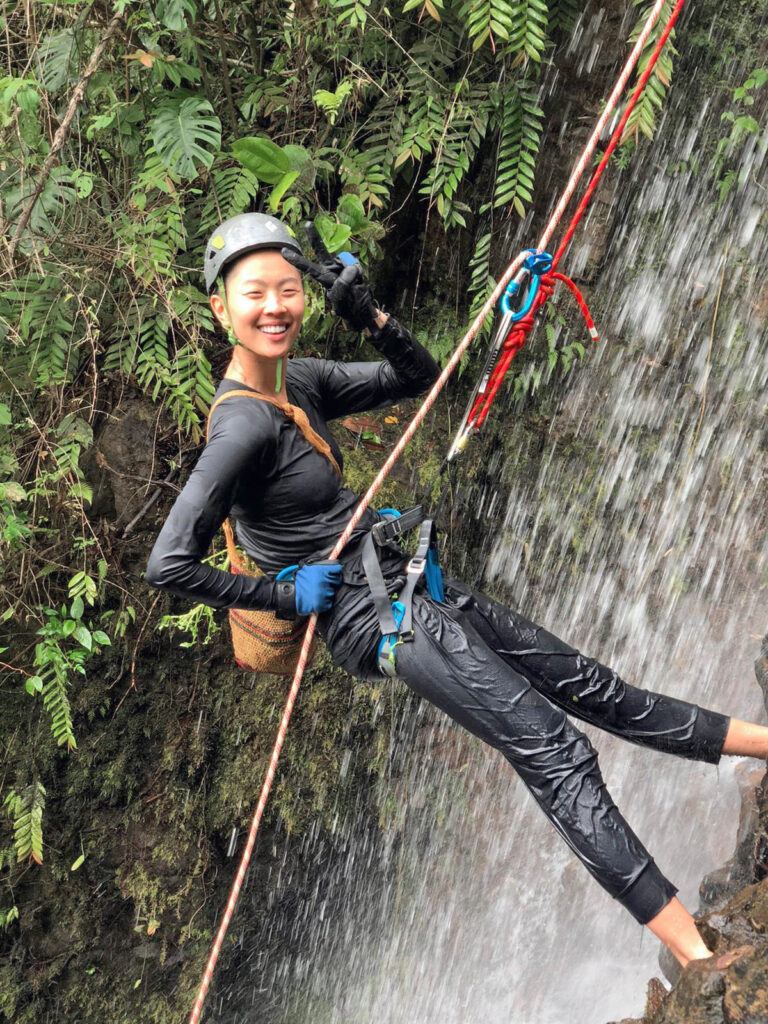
(536, 264)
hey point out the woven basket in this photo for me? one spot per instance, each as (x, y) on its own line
(261, 641)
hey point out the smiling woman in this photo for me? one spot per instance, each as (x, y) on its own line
(502, 677)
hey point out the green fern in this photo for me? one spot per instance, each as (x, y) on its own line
(563, 15)
(487, 20)
(153, 363)
(43, 314)
(150, 242)
(194, 379)
(458, 132)
(26, 812)
(56, 703)
(481, 282)
(528, 28)
(519, 136)
(231, 190)
(55, 59)
(642, 120)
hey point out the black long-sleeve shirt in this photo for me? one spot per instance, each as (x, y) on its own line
(285, 499)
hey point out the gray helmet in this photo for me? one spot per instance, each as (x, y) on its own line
(242, 234)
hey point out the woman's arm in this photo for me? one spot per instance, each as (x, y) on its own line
(407, 371)
(240, 441)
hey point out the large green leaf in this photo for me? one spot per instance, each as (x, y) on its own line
(334, 235)
(263, 158)
(351, 211)
(186, 135)
(55, 59)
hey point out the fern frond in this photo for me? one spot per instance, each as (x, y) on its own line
(488, 20)
(642, 120)
(458, 132)
(519, 136)
(232, 190)
(26, 811)
(56, 704)
(41, 307)
(481, 283)
(563, 15)
(528, 28)
(153, 363)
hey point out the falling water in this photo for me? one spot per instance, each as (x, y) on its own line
(636, 529)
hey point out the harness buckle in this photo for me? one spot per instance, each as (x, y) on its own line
(416, 566)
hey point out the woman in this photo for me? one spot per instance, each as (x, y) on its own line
(505, 679)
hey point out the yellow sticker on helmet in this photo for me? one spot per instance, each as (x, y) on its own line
(218, 242)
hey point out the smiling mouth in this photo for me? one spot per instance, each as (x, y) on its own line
(274, 330)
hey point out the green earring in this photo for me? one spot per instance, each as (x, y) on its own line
(231, 336)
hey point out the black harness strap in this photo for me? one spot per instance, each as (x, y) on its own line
(414, 572)
(377, 586)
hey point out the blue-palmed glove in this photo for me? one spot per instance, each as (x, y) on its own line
(312, 589)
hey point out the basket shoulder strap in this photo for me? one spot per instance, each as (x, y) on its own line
(293, 413)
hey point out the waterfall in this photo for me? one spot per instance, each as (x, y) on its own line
(636, 531)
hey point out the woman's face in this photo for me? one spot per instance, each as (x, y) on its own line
(265, 298)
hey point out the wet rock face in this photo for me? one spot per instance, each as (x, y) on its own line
(723, 990)
(761, 669)
(122, 464)
(730, 989)
(732, 986)
(742, 868)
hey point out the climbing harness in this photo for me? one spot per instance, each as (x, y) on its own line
(395, 613)
(427, 404)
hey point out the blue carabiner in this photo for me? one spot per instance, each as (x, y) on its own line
(536, 264)
(288, 573)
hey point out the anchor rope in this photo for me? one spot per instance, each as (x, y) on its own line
(544, 291)
(519, 334)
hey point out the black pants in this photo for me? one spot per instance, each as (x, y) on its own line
(510, 682)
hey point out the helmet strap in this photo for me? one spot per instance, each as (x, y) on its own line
(223, 294)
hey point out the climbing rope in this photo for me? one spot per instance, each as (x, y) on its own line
(545, 289)
(508, 343)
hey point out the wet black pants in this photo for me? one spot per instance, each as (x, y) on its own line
(510, 682)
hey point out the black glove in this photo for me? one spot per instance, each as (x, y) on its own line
(349, 295)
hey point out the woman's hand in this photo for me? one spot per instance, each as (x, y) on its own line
(312, 589)
(346, 289)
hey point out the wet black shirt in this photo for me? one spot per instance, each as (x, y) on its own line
(284, 498)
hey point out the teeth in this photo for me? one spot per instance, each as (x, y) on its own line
(274, 329)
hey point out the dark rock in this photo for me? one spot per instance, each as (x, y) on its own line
(718, 886)
(122, 466)
(655, 996)
(696, 999)
(746, 991)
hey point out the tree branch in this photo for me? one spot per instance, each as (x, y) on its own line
(63, 131)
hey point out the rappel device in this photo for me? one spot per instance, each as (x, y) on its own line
(516, 302)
